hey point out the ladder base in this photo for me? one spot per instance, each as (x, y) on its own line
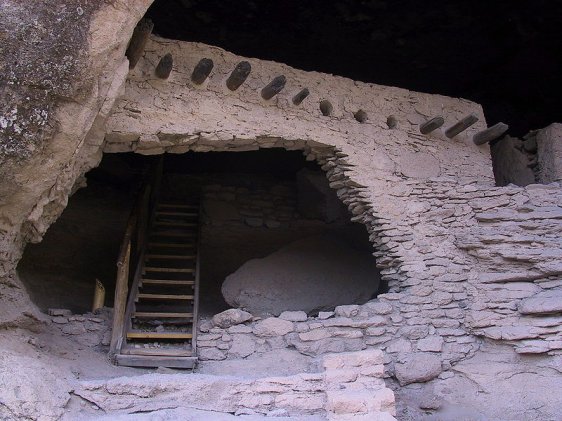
(153, 361)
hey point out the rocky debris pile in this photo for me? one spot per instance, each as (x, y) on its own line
(88, 329)
(313, 274)
(350, 388)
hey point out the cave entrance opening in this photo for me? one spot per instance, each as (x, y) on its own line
(272, 235)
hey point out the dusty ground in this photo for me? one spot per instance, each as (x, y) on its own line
(40, 369)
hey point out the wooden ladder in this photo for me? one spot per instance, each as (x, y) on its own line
(160, 321)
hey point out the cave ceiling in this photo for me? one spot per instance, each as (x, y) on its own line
(505, 55)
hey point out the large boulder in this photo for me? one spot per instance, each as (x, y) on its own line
(313, 274)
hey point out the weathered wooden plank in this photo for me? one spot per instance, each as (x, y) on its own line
(301, 96)
(162, 352)
(138, 41)
(168, 270)
(432, 125)
(491, 133)
(164, 315)
(273, 87)
(155, 361)
(147, 296)
(136, 334)
(170, 256)
(202, 71)
(238, 75)
(164, 67)
(461, 126)
(120, 301)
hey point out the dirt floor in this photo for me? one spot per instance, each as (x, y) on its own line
(40, 369)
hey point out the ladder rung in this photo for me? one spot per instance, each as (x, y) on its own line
(165, 352)
(172, 245)
(160, 315)
(135, 334)
(166, 282)
(170, 270)
(175, 224)
(173, 234)
(171, 213)
(169, 256)
(176, 205)
(164, 296)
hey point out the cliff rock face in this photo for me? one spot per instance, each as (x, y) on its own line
(62, 66)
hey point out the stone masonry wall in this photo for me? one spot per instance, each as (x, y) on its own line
(420, 196)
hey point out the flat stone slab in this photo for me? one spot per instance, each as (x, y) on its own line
(545, 302)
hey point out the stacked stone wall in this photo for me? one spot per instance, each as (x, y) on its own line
(421, 198)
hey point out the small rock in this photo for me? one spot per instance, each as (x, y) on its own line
(59, 312)
(294, 316)
(242, 346)
(231, 317)
(547, 302)
(379, 307)
(60, 320)
(398, 346)
(95, 319)
(347, 311)
(239, 329)
(211, 354)
(323, 315)
(431, 343)
(417, 367)
(205, 326)
(278, 413)
(273, 326)
(73, 329)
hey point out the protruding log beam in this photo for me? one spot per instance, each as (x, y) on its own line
(202, 71)
(164, 67)
(491, 133)
(138, 41)
(361, 116)
(391, 122)
(431, 125)
(461, 126)
(326, 107)
(238, 75)
(301, 96)
(273, 87)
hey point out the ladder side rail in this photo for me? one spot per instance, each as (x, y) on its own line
(196, 286)
(122, 286)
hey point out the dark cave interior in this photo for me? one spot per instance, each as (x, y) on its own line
(503, 54)
(276, 186)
